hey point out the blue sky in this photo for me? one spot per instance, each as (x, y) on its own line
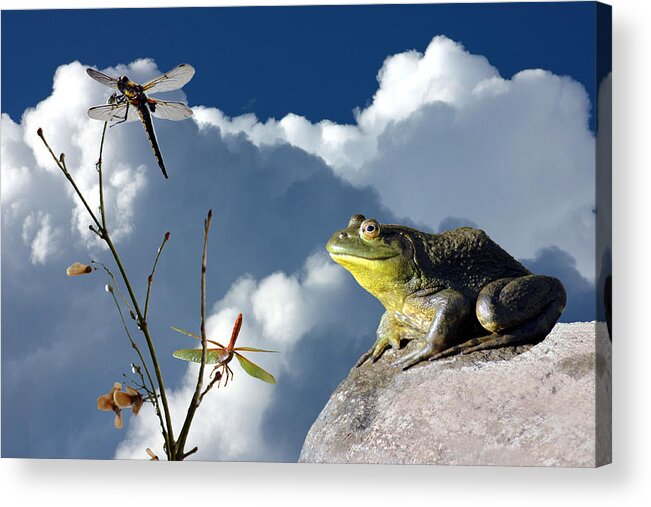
(458, 100)
(236, 50)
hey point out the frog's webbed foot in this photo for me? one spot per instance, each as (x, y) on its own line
(422, 354)
(388, 335)
(380, 346)
(374, 353)
(366, 355)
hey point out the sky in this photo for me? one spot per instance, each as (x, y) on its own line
(431, 116)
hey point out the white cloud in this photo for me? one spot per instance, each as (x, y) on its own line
(16, 160)
(28, 169)
(445, 135)
(279, 311)
(40, 236)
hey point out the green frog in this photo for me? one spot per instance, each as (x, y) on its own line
(456, 292)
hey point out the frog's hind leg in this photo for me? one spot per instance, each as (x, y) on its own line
(517, 311)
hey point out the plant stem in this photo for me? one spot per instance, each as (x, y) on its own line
(196, 398)
(134, 345)
(153, 270)
(115, 283)
(142, 323)
(101, 185)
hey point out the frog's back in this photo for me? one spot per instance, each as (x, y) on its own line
(466, 258)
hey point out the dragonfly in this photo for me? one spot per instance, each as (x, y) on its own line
(129, 102)
(221, 356)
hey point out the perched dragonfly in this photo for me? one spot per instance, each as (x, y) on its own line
(221, 356)
(130, 103)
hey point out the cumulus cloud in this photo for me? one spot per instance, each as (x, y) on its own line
(445, 135)
(27, 164)
(279, 310)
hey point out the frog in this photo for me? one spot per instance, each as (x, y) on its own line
(454, 292)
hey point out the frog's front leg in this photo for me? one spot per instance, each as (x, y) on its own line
(452, 311)
(388, 334)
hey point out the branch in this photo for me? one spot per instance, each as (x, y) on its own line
(134, 345)
(115, 283)
(190, 452)
(216, 379)
(153, 270)
(101, 186)
(196, 398)
(142, 323)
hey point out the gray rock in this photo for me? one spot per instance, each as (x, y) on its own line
(519, 406)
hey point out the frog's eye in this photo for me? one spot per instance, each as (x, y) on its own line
(369, 229)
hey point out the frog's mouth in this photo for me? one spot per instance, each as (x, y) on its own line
(356, 264)
(351, 257)
(354, 251)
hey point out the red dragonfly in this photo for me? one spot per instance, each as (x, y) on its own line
(130, 103)
(221, 356)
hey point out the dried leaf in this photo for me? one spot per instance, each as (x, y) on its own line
(77, 268)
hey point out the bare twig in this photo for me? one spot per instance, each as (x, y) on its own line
(152, 389)
(191, 451)
(212, 383)
(115, 283)
(196, 398)
(142, 323)
(102, 209)
(150, 279)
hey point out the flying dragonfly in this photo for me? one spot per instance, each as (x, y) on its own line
(129, 102)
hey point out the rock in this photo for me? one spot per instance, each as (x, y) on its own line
(519, 406)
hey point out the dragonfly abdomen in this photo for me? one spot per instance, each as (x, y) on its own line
(148, 125)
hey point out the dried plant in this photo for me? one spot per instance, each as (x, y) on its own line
(149, 385)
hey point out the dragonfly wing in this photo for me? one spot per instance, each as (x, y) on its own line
(192, 335)
(194, 355)
(253, 349)
(172, 80)
(254, 370)
(109, 81)
(186, 333)
(113, 112)
(170, 110)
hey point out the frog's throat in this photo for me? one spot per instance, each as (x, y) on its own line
(381, 277)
